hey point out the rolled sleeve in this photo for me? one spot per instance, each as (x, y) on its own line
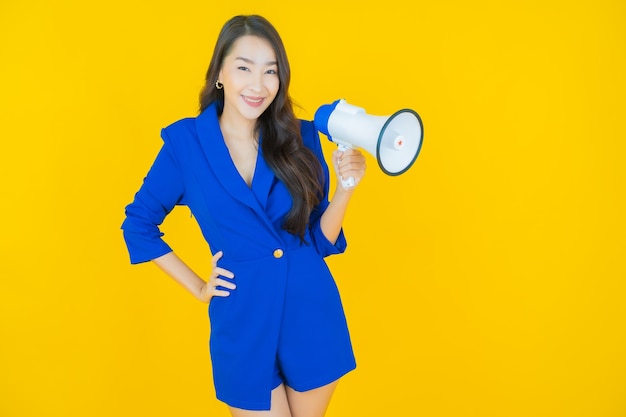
(162, 189)
(323, 246)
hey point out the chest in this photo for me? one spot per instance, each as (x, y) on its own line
(244, 156)
(239, 192)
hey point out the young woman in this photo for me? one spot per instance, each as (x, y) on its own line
(255, 178)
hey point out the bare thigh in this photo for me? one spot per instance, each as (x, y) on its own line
(286, 402)
(311, 403)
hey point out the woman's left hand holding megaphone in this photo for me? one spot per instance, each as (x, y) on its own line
(349, 164)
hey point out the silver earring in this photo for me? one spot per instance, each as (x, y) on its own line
(219, 85)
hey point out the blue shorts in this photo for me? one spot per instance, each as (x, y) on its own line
(289, 329)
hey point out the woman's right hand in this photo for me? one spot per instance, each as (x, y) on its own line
(209, 289)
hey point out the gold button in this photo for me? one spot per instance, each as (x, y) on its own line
(278, 253)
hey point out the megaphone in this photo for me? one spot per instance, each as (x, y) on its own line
(395, 140)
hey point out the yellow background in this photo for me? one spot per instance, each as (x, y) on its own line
(486, 281)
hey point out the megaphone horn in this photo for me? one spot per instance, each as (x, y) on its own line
(394, 140)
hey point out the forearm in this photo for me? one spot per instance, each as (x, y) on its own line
(332, 219)
(349, 163)
(173, 266)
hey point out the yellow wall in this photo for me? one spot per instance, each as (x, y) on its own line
(486, 281)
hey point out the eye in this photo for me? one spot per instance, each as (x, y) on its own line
(243, 68)
(271, 72)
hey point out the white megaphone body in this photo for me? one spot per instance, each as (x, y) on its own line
(394, 140)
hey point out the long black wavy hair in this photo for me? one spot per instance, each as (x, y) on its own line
(292, 162)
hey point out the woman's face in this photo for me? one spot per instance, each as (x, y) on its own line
(250, 77)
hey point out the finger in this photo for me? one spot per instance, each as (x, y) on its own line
(351, 151)
(226, 284)
(220, 293)
(217, 271)
(217, 287)
(352, 170)
(216, 258)
(352, 166)
(355, 160)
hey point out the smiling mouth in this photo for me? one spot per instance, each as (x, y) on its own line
(254, 101)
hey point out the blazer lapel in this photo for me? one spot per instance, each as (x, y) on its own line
(219, 160)
(262, 180)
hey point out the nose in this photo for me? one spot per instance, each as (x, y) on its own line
(256, 82)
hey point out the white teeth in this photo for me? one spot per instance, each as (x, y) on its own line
(253, 101)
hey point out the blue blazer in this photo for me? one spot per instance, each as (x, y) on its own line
(284, 322)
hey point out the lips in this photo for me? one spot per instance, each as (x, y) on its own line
(253, 101)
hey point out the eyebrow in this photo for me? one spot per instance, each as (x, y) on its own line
(249, 61)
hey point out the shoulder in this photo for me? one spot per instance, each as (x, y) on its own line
(309, 133)
(179, 130)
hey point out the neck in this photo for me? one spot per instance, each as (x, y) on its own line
(238, 128)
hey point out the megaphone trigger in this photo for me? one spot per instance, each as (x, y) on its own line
(346, 183)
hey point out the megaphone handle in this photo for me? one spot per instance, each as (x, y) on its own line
(347, 183)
